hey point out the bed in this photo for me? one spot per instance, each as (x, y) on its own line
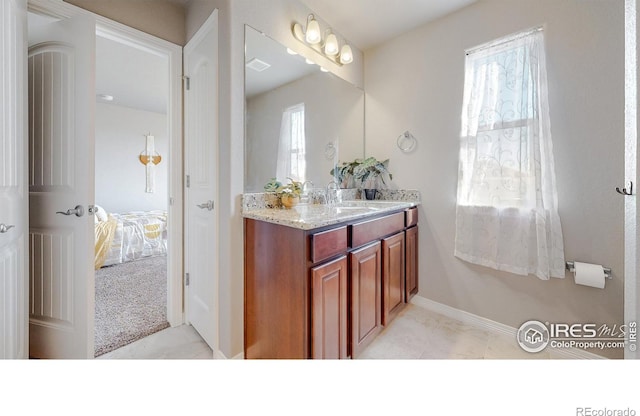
(129, 236)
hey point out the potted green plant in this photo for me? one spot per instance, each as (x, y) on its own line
(368, 174)
(343, 174)
(289, 194)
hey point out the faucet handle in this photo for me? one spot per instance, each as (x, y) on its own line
(337, 185)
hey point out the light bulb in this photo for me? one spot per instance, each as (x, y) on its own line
(291, 51)
(309, 61)
(298, 32)
(346, 56)
(313, 32)
(331, 45)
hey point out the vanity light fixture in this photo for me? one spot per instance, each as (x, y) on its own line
(346, 56)
(329, 47)
(312, 35)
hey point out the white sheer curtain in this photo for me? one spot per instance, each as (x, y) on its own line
(291, 161)
(507, 207)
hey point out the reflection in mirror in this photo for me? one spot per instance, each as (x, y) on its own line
(300, 121)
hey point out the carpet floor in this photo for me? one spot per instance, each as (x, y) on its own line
(131, 302)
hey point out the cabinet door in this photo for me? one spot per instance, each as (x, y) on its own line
(411, 278)
(366, 302)
(393, 275)
(329, 310)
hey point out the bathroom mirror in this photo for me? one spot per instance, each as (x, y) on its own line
(299, 120)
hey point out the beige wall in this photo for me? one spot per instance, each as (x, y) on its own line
(162, 18)
(415, 83)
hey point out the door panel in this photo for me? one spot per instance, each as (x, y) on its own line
(393, 276)
(411, 268)
(329, 310)
(201, 167)
(61, 177)
(13, 192)
(366, 300)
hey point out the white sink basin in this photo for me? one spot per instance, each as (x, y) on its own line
(341, 209)
(365, 204)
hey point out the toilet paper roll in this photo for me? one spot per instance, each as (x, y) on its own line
(589, 274)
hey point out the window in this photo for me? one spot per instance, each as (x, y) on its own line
(506, 213)
(499, 111)
(291, 151)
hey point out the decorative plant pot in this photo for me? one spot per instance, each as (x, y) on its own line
(370, 194)
(289, 201)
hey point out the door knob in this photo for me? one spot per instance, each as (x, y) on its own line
(208, 205)
(78, 211)
(5, 228)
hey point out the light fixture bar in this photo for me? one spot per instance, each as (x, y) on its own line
(327, 46)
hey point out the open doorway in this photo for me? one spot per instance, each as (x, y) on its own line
(60, 283)
(131, 194)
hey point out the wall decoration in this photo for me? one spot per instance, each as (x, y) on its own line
(150, 158)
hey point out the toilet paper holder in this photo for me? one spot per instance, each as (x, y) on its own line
(570, 266)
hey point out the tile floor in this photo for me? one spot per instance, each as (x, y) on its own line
(180, 342)
(415, 333)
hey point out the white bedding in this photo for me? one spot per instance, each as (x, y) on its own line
(138, 234)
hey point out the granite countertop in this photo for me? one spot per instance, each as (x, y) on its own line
(310, 216)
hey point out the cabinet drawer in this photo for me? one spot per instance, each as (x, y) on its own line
(328, 243)
(364, 232)
(411, 217)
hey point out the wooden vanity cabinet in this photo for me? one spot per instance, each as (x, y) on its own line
(325, 293)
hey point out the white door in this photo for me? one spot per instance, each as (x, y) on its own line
(201, 167)
(61, 188)
(13, 189)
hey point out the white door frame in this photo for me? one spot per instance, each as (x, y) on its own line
(132, 37)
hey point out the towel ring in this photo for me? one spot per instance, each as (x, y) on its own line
(330, 151)
(407, 142)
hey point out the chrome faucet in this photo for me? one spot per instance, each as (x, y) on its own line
(305, 193)
(333, 192)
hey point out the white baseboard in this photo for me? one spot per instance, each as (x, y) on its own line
(494, 327)
(219, 355)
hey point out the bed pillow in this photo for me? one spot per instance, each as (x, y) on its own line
(100, 214)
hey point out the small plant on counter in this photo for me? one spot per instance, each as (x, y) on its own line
(289, 194)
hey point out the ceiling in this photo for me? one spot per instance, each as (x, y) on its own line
(137, 79)
(367, 23)
(134, 78)
(284, 67)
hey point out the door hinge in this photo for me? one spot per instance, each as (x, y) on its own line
(186, 279)
(187, 82)
(188, 181)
